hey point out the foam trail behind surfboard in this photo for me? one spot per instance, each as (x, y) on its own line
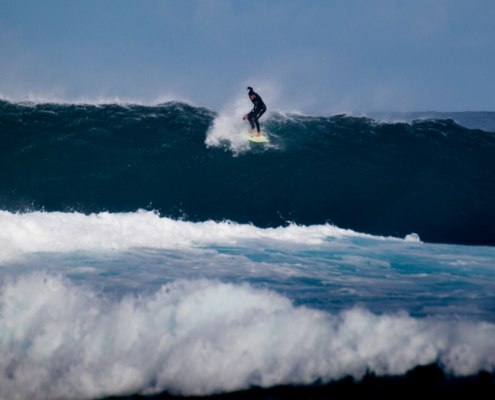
(229, 129)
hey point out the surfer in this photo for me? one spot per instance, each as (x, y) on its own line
(256, 113)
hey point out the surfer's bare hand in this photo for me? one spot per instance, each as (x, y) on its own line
(245, 117)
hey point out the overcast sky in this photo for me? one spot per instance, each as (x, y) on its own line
(312, 56)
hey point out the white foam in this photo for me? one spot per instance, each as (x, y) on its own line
(412, 237)
(204, 337)
(35, 99)
(65, 232)
(229, 129)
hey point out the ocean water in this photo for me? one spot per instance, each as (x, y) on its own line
(151, 249)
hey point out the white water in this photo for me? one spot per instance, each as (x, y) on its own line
(203, 337)
(65, 232)
(86, 310)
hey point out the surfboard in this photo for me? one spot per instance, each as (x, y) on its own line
(259, 139)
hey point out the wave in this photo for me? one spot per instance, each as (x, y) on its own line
(320, 266)
(34, 100)
(67, 232)
(431, 177)
(484, 120)
(204, 337)
(133, 303)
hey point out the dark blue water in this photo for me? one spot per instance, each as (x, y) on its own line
(431, 177)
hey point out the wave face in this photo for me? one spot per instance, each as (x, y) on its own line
(484, 120)
(431, 177)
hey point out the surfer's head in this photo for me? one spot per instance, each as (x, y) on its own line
(251, 91)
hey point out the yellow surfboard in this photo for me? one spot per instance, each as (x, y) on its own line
(258, 139)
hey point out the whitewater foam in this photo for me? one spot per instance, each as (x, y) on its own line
(229, 129)
(34, 100)
(65, 232)
(204, 337)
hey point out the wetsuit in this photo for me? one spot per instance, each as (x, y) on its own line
(258, 110)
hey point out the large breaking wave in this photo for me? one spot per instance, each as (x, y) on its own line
(432, 177)
(204, 337)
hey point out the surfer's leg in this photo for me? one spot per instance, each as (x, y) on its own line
(257, 125)
(250, 119)
(260, 113)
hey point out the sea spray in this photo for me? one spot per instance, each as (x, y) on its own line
(203, 337)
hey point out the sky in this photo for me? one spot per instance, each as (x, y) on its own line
(311, 56)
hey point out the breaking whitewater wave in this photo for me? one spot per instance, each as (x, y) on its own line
(204, 337)
(66, 232)
(321, 266)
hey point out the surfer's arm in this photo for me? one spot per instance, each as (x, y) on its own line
(252, 112)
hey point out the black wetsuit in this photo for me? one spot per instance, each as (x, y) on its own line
(258, 110)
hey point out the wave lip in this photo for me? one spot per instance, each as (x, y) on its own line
(205, 337)
(35, 100)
